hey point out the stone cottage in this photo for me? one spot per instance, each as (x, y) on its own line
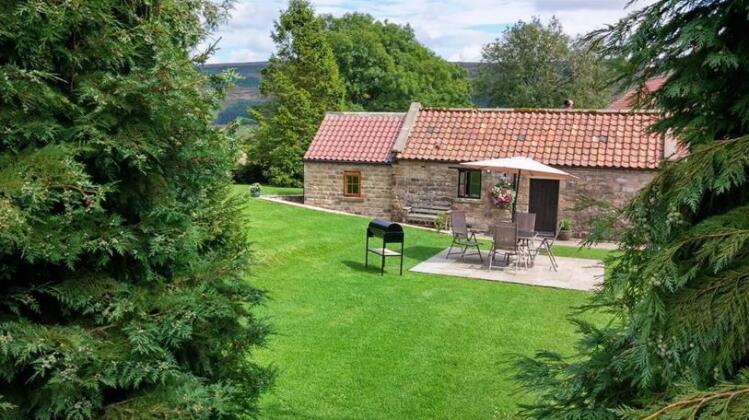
(392, 165)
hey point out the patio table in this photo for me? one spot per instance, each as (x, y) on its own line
(526, 246)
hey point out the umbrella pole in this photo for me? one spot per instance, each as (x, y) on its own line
(515, 201)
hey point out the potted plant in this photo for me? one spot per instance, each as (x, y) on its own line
(502, 195)
(440, 222)
(565, 230)
(255, 190)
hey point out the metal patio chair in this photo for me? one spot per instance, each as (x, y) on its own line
(505, 240)
(546, 245)
(462, 237)
(527, 235)
(526, 222)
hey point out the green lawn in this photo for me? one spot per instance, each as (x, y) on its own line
(351, 344)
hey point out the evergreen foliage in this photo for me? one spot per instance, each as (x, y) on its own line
(303, 83)
(678, 344)
(121, 248)
(385, 68)
(537, 65)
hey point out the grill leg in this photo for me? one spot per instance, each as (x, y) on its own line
(401, 273)
(382, 259)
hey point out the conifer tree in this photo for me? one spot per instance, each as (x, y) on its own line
(303, 83)
(678, 342)
(122, 251)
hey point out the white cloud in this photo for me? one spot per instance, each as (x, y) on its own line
(559, 5)
(242, 55)
(454, 29)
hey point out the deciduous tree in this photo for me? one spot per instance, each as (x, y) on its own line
(385, 68)
(537, 65)
(122, 250)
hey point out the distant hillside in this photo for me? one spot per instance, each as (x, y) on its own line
(247, 90)
(471, 68)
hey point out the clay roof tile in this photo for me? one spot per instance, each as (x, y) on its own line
(552, 136)
(355, 137)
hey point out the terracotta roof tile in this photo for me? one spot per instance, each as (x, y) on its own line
(552, 136)
(355, 137)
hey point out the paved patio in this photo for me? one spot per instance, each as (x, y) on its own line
(574, 273)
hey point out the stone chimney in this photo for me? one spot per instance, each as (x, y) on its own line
(408, 122)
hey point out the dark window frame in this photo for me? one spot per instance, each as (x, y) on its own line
(464, 183)
(346, 175)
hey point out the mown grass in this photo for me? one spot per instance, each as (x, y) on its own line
(273, 190)
(351, 344)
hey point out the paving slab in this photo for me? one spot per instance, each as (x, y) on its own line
(573, 273)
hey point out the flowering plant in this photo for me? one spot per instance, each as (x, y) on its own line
(502, 195)
(255, 190)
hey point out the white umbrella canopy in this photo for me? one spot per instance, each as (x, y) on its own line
(519, 165)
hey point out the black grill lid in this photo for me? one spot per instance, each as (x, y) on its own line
(384, 226)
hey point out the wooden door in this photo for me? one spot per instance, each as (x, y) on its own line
(543, 200)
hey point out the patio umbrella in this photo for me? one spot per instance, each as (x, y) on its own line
(518, 165)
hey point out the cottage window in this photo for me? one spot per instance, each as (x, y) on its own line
(352, 184)
(469, 184)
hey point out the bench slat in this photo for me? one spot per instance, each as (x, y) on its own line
(432, 206)
(421, 217)
(426, 211)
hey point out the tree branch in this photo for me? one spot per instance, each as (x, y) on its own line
(700, 402)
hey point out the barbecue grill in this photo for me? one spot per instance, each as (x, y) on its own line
(390, 233)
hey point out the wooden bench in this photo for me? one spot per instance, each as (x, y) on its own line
(426, 213)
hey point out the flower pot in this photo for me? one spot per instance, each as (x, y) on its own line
(565, 235)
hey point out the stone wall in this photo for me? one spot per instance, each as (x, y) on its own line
(615, 186)
(417, 182)
(323, 187)
(387, 190)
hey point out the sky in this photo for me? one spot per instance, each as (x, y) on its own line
(454, 29)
